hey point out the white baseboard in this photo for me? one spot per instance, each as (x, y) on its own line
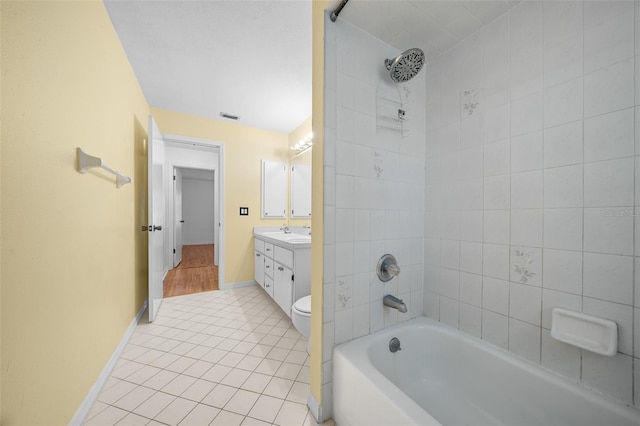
(230, 286)
(80, 416)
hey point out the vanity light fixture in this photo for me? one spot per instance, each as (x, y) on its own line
(303, 144)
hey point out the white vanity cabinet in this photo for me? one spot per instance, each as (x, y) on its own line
(283, 269)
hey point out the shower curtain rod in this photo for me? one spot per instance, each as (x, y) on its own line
(336, 12)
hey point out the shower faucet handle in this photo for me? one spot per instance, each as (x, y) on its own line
(387, 268)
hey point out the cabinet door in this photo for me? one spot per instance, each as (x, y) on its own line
(283, 287)
(300, 191)
(259, 268)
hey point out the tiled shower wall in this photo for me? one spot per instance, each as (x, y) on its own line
(532, 184)
(373, 189)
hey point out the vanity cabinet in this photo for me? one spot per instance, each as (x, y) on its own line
(283, 270)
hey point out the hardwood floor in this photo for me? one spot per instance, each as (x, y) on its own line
(196, 273)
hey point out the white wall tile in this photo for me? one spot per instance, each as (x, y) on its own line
(608, 277)
(524, 340)
(563, 229)
(470, 167)
(608, 33)
(563, 145)
(607, 232)
(622, 315)
(471, 320)
(526, 114)
(471, 225)
(526, 190)
(526, 227)
(449, 283)
(471, 132)
(563, 103)
(450, 252)
(495, 295)
(471, 288)
(497, 192)
(496, 124)
(497, 158)
(525, 303)
(527, 152)
(609, 136)
(609, 183)
(495, 261)
(556, 299)
(636, 330)
(496, 226)
(563, 41)
(471, 257)
(563, 186)
(609, 89)
(472, 194)
(495, 329)
(562, 270)
(560, 357)
(449, 311)
(610, 375)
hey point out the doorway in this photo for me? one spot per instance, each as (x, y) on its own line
(195, 253)
(193, 270)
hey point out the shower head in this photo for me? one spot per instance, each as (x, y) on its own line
(405, 66)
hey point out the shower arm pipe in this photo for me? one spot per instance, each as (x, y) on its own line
(336, 12)
(86, 162)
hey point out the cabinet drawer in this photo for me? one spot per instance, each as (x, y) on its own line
(284, 256)
(259, 245)
(268, 249)
(268, 285)
(268, 267)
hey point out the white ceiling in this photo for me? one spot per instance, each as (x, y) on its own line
(433, 26)
(249, 58)
(252, 58)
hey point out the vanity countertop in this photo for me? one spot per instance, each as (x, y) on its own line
(298, 238)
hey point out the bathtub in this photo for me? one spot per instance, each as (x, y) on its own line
(443, 377)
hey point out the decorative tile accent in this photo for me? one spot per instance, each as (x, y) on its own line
(377, 164)
(470, 102)
(522, 262)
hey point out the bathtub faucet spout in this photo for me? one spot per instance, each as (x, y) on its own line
(395, 303)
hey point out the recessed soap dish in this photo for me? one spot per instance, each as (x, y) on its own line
(591, 333)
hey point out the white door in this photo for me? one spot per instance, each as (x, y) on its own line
(177, 215)
(155, 191)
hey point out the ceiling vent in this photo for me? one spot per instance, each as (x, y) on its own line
(229, 116)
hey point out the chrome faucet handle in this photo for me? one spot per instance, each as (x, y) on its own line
(387, 268)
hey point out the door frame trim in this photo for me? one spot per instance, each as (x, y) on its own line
(198, 144)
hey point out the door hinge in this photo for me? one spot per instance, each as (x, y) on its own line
(291, 277)
(174, 177)
(174, 251)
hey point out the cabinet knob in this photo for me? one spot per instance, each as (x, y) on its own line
(280, 268)
(257, 254)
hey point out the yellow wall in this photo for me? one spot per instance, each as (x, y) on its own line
(317, 200)
(244, 149)
(73, 259)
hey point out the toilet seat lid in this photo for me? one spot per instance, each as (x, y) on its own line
(303, 305)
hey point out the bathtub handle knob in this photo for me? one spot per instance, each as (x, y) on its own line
(394, 345)
(387, 268)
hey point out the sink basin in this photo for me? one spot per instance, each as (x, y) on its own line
(290, 238)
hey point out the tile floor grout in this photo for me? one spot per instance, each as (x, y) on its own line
(193, 372)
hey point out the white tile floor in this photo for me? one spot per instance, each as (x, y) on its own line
(221, 358)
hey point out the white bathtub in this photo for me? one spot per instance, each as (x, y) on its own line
(441, 376)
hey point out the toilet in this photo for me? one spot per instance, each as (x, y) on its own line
(301, 317)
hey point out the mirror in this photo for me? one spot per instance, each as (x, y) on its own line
(300, 191)
(274, 190)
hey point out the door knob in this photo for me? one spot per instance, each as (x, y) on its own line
(182, 221)
(157, 228)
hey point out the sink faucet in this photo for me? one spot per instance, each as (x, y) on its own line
(395, 303)
(285, 228)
